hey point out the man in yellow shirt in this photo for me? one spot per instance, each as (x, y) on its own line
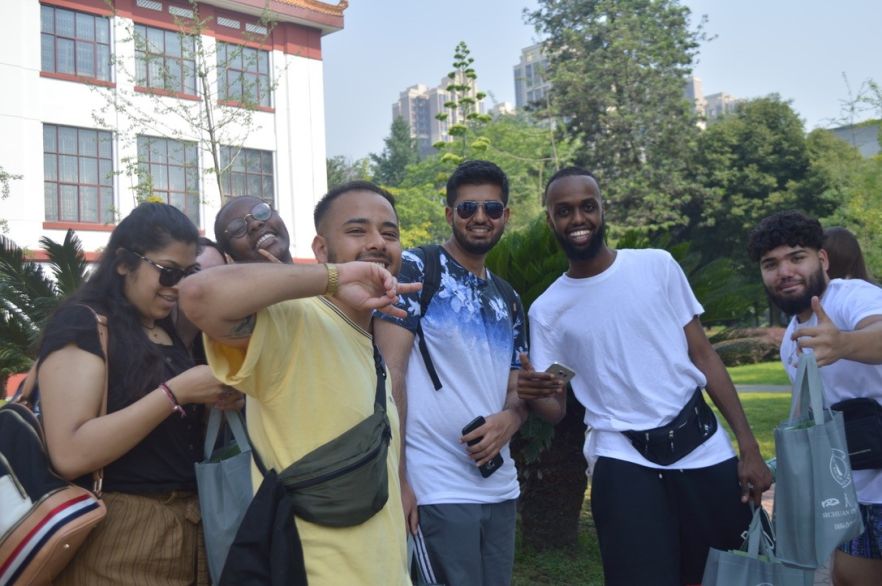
(296, 339)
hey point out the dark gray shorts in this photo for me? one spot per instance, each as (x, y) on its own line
(466, 544)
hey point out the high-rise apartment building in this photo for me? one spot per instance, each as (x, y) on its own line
(529, 77)
(693, 93)
(92, 111)
(419, 105)
(719, 104)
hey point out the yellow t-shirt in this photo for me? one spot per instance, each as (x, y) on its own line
(309, 375)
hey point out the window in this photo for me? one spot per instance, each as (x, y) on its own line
(247, 172)
(75, 43)
(243, 75)
(169, 169)
(77, 174)
(165, 60)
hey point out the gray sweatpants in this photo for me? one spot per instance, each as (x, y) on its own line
(467, 544)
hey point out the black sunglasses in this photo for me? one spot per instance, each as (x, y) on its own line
(238, 227)
(493, 209)
(169, 277)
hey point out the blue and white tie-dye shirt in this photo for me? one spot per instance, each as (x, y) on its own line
(474, 342)
(465, 302)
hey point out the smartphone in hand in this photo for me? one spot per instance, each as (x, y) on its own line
(559, 370)
(493, 465)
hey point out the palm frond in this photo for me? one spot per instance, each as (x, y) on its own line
(67, 261)
(21, 281)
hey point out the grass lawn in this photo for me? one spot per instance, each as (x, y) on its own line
(581, 565)
(763, 373)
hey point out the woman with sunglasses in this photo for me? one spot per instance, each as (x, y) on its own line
(152, 434)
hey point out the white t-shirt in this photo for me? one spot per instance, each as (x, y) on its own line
(622, 333)
(473, 340)
(846, 302)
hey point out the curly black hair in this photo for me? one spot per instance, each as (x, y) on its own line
(790, 228)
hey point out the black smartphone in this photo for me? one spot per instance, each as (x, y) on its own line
(493, 465)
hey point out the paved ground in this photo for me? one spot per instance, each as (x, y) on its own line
(763, 388)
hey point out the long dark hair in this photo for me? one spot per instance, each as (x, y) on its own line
(135, 363)
(844, 255)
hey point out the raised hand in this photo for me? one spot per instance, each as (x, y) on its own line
(824, 339)
(365, 285)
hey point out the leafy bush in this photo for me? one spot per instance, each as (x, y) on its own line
(747, 350)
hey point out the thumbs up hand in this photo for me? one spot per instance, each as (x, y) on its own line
(825, 339)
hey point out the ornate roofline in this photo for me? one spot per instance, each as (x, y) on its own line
(316, 5)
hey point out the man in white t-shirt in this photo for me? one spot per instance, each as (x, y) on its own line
(841, 322)
(627, 322)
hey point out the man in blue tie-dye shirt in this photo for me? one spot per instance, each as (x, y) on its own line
(464, 523)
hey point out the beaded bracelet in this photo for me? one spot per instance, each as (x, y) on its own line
(176, 407)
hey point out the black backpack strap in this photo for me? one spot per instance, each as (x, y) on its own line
(431, 282)
(511, 301)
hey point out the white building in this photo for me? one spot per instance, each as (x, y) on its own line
(81, 160)
(530, 81)
(720, 104)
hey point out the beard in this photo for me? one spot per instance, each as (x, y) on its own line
(476, 248)
(574, 252)
(814, 287)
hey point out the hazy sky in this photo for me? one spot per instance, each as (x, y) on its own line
(797, 48)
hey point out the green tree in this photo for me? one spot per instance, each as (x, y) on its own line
(5, 179)
(420, 215)
(341, 169)
(28, 296)
(617, 68)
(862, 212)
(752, 163)
(400, 150)
(463, 109)
(523, 149)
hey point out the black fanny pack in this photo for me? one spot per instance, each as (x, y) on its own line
(344, 482)
(863, 432)
(689, 429)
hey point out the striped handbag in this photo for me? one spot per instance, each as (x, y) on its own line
(43, 518)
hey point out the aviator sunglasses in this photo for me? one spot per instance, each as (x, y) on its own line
(238, 227)
(169, 277)
(493, 209)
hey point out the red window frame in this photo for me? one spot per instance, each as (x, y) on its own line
(82, 43)
(161, 159)
(60, 164)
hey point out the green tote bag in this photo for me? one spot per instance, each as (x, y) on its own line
(223, 481)
(755, 563)
(816, 506)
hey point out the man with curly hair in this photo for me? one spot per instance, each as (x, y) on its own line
(840, 321)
